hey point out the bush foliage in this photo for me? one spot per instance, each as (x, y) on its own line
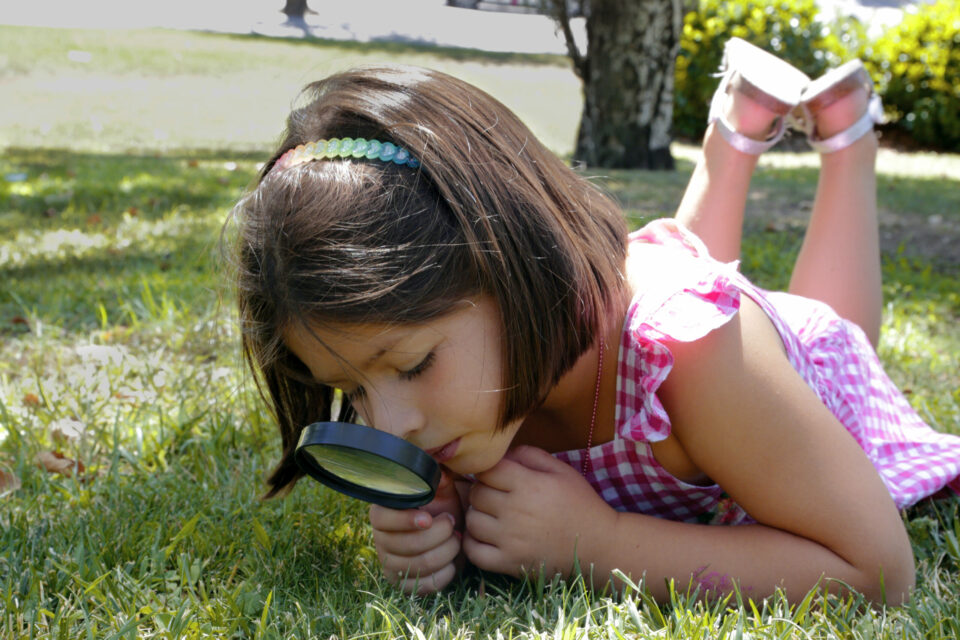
(915, 66)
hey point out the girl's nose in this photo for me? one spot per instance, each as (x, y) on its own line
(397, 416)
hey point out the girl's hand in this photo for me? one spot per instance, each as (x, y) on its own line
(532, 511)
(418, 548)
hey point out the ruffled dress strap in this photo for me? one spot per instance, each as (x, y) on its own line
(687, 295)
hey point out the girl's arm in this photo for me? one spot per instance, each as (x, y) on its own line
(749, 422)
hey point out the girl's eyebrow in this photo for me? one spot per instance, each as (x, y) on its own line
(383, 350)
(335, 381)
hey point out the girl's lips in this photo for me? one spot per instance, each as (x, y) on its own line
(444, 453)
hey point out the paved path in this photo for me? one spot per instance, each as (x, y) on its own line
(426, 21)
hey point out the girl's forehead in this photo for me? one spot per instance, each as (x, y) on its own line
(329, 347)
(346, 340)
(331, 353)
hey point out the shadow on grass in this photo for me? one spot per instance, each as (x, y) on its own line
(179, 200)
(919, 216)
(395, 46)
(65, 189)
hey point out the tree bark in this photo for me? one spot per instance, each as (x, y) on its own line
(296, 9)
(627, 76)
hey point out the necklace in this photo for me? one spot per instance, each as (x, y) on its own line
(587, 462)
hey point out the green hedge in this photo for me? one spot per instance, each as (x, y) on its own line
(915, 66)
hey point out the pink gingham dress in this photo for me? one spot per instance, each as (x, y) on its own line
(690, 294)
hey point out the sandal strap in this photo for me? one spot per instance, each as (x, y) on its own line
(733, 137)
(747, 145)
(860, 128)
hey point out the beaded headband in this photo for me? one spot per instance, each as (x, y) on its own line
(345, 148)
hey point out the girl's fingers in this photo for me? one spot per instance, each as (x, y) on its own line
(431, 583)
(483, 555)
(481, 526)
(413, 543)
(401, 567)
(486, 499)
(386, 519)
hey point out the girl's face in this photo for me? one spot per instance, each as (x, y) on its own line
(436, 384)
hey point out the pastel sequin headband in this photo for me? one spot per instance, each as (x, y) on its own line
(345, 148)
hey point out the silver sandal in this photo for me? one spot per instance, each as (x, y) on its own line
(762, 77)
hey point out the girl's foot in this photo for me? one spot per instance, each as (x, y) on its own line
(838, 108)
(756, 94)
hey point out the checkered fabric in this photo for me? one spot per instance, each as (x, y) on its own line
(690, 294)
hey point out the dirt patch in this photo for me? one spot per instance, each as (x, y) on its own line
(933, 238)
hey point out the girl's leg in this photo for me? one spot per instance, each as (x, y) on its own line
(839, 261)
(715, 198)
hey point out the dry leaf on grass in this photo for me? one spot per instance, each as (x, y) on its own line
(56, 462)
(9, 482)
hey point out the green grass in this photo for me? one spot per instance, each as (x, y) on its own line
(114, 328)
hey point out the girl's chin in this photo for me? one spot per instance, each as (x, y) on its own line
(470, 465)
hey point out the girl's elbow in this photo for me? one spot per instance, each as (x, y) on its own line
(891, 579)
(898, 587)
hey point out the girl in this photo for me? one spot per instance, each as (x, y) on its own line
(411, 245)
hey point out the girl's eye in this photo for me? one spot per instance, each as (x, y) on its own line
(420, 368)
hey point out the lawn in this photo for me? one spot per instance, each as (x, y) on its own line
(122, 154)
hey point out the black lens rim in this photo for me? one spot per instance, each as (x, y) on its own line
(368, 440)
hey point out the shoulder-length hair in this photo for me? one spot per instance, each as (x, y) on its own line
(490, 211)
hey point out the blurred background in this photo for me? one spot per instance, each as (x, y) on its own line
(916, 75)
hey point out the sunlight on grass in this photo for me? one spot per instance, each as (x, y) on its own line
(172, 90)
(927, 165)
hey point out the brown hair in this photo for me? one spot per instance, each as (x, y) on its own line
(489, 211)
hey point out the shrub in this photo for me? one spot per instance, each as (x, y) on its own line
(916, 66)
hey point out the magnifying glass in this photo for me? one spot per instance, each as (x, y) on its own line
(364, 463)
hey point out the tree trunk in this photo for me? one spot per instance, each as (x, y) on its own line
(296, 9)
(627, 82)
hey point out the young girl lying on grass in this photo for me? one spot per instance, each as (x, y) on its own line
(612, 398)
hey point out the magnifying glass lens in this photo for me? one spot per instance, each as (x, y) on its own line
(368, 469)
(368, 464)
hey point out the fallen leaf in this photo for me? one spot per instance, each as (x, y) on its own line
(31, 400)
(9, 482)
(56, 462)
